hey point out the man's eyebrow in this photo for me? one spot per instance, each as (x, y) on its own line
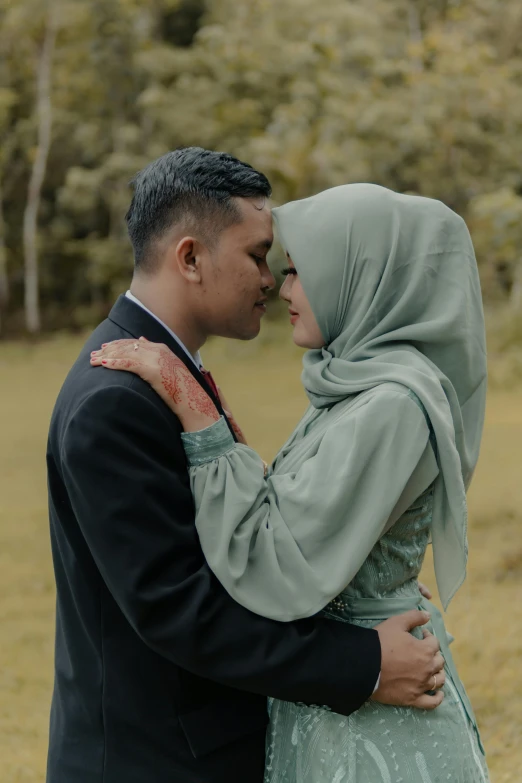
(264, 244)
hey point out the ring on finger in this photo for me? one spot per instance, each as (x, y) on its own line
(136, 346)
(434, 682)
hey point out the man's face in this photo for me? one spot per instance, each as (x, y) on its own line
(238, 277)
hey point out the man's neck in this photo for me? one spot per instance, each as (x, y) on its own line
(171, 311)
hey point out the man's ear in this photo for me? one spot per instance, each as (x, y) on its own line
(187, 257)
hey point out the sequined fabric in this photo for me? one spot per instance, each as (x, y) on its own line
(210, 443)
(378, 743)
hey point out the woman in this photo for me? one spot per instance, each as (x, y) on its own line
(383, 289)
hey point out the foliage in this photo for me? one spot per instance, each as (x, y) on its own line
(496, 220)
(422, 96)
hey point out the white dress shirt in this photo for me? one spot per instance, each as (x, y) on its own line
(196, 359)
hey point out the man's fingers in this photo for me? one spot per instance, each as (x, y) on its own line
(431, 643)
(439, 681)
(427, 702)
(438, 663)
(425, 591)
(435, 682)
(413, 618)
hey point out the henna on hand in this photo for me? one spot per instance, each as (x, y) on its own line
(235, 426)
(167, 375)
(230, 416)
(183, 388)
(170, 376)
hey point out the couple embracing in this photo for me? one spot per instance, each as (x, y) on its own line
(221, 621)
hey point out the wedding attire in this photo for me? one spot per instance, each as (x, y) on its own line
(378, 466)
(160, 676)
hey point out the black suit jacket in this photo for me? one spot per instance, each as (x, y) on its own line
(160, 677)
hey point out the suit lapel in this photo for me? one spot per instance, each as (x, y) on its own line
(138, 323)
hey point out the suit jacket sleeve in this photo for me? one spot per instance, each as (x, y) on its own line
(125, 473)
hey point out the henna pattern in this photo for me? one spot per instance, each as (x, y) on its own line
(128, 364)
(169, 373)
(237, 429)
(178, 382)
(199, 400)
(175, 383)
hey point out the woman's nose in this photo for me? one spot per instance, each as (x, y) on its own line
(284, 291)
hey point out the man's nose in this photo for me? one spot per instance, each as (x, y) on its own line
(267, 279)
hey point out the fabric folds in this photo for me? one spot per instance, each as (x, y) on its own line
(394, 286)
(285, 545)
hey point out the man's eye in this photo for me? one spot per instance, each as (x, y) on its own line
(257, 259)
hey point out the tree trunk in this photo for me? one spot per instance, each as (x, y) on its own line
(44, 115)
(4, 280)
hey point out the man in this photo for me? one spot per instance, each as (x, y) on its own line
(160, 676)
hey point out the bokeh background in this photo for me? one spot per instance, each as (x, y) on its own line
(423, 96)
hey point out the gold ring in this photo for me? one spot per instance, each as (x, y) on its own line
(434, 682)
(136, 346)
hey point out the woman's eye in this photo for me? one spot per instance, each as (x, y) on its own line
(290, 270)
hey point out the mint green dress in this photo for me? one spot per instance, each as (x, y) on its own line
(378, 743)
(378, 467)
(381, 743)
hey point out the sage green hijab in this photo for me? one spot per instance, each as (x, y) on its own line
(393, 283)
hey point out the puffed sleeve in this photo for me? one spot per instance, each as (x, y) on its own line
(285, 545)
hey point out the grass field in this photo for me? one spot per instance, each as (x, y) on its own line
(261, 381)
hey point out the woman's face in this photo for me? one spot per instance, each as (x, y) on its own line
(306, 331)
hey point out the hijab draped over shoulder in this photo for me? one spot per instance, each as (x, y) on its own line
(393, 283)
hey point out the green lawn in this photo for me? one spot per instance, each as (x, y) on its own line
(261, 381)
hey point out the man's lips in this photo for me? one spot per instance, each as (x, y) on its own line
(261, 304)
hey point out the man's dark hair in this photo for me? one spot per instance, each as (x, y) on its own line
(193, 187)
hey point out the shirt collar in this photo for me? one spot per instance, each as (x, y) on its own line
(196, 358)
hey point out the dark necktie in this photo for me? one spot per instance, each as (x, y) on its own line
(231, 423)
(210, 381)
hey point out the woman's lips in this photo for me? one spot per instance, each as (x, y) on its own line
(293, 316)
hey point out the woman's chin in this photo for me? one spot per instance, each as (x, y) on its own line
(300, 339)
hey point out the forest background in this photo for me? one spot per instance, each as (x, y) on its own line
(423, 96)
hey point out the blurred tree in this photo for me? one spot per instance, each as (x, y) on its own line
(108, 144)
(180, 23)
(410, 94)
(44, 126)
(496, 222)
(422, 96)
(7, 100)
